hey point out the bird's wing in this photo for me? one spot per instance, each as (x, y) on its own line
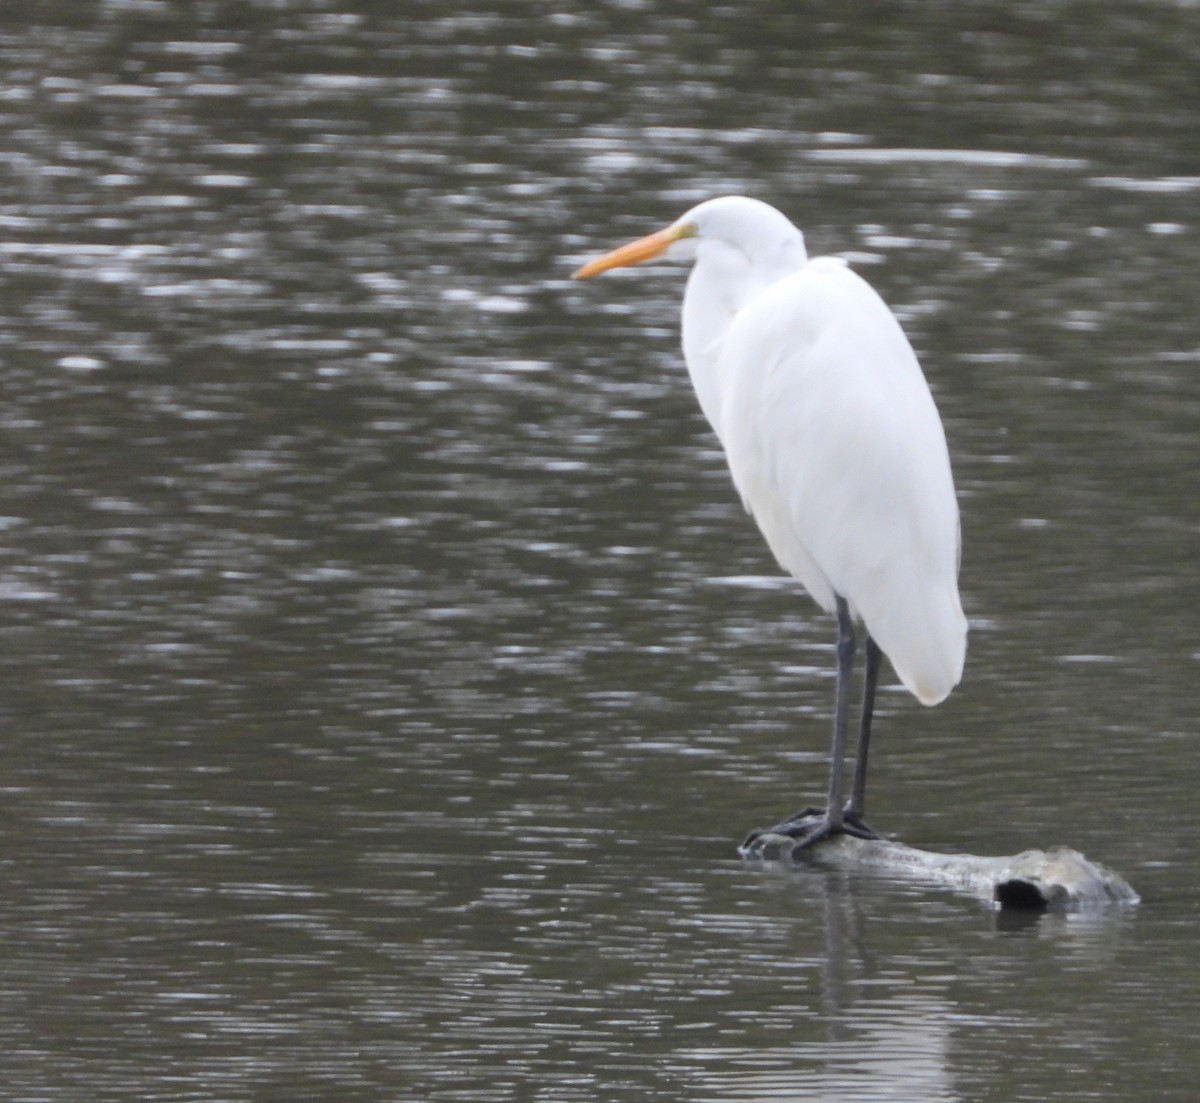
(836, 447)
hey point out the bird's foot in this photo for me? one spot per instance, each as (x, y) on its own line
(807, 827)
(857, 827)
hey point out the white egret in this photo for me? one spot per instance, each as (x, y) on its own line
(837, 450)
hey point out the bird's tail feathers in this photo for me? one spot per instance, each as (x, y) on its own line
(927, 645)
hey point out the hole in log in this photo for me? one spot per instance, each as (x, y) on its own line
(1016, 893)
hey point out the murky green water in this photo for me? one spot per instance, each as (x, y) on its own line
(387, 668)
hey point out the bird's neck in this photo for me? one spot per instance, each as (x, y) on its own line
(722, 282)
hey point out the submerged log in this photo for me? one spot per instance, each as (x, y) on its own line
(1059, 879)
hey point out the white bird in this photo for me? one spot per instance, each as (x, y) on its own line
(837, 450)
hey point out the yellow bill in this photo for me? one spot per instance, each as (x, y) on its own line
(645, 248)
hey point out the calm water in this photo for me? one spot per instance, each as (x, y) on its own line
(387, 669)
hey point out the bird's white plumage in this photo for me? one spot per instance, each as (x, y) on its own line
(837, 449)
(831, 433)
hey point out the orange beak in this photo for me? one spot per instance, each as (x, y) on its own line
(645, 248)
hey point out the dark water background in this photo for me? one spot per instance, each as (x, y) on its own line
(387, 668)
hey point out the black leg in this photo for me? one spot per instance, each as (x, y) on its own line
(846, 649)
(858, 790)
(813, 824)
(833, 822)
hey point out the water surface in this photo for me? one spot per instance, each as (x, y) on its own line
(388, 667)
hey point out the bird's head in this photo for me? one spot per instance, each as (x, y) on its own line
(754, 228)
